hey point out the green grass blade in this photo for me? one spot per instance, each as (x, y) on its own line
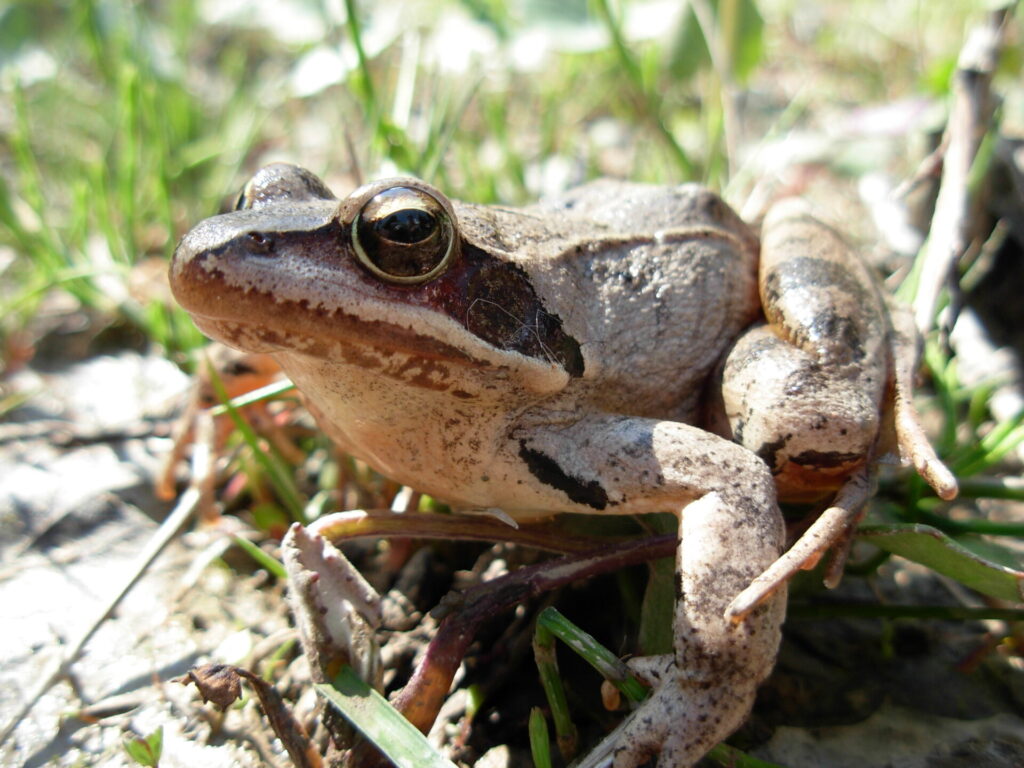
(277, 471)
(380, 723)
(596, 655)
(979, 565)
(269, 562)
(540, 743)
(649, 101)
(365, 79)
(268, 392)
(551, 681)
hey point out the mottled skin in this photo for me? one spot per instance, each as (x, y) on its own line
(557, 358)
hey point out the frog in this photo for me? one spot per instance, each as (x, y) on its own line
(621, 349)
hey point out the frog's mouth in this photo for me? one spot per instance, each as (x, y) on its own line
(253, 320)
(256, 322)
(349, 338)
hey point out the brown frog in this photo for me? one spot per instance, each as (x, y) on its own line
(623, 349)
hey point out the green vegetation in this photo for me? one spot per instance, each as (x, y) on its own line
(123, 123)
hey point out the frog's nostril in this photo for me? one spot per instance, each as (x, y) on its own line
(259, 243)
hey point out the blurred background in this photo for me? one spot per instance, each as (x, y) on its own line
(122, 124)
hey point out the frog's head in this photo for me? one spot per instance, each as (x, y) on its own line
(385, 273)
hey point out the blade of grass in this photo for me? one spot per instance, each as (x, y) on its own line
(365, 80)
(992, 447)
(993, 488)
(607, 664)
(277, 471)
(798, 610)
(540, 743)
(547, 666)
(649, 103)
(379, 722)
(930, 547)
(269, 392)
(270, 563)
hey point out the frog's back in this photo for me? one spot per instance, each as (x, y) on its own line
(656, 304)
(631, 206)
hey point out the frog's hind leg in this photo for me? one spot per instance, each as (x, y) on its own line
(805, 391)
(835, 527)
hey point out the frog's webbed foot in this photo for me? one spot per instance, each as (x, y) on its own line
(682, 719)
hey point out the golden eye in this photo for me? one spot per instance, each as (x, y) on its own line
(404, 235)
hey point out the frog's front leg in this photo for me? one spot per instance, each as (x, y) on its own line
(730, 531)
(706, 688)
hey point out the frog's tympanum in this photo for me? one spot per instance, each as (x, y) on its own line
(624, 349)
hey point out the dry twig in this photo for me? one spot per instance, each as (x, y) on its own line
(969, 120)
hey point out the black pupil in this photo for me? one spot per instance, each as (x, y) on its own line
(409, 226)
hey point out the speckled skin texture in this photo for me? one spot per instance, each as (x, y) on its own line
(560, 363)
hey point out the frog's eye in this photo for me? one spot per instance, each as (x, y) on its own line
(404, 235)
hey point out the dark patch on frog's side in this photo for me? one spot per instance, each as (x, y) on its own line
(495, 301)
(768, 452)
(829, 324)
(827, 459)
(549, 472)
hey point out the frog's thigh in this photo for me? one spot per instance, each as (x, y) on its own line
(813, 424)
(819, 296)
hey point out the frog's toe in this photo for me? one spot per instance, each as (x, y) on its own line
(652, 669)
(644, 733)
